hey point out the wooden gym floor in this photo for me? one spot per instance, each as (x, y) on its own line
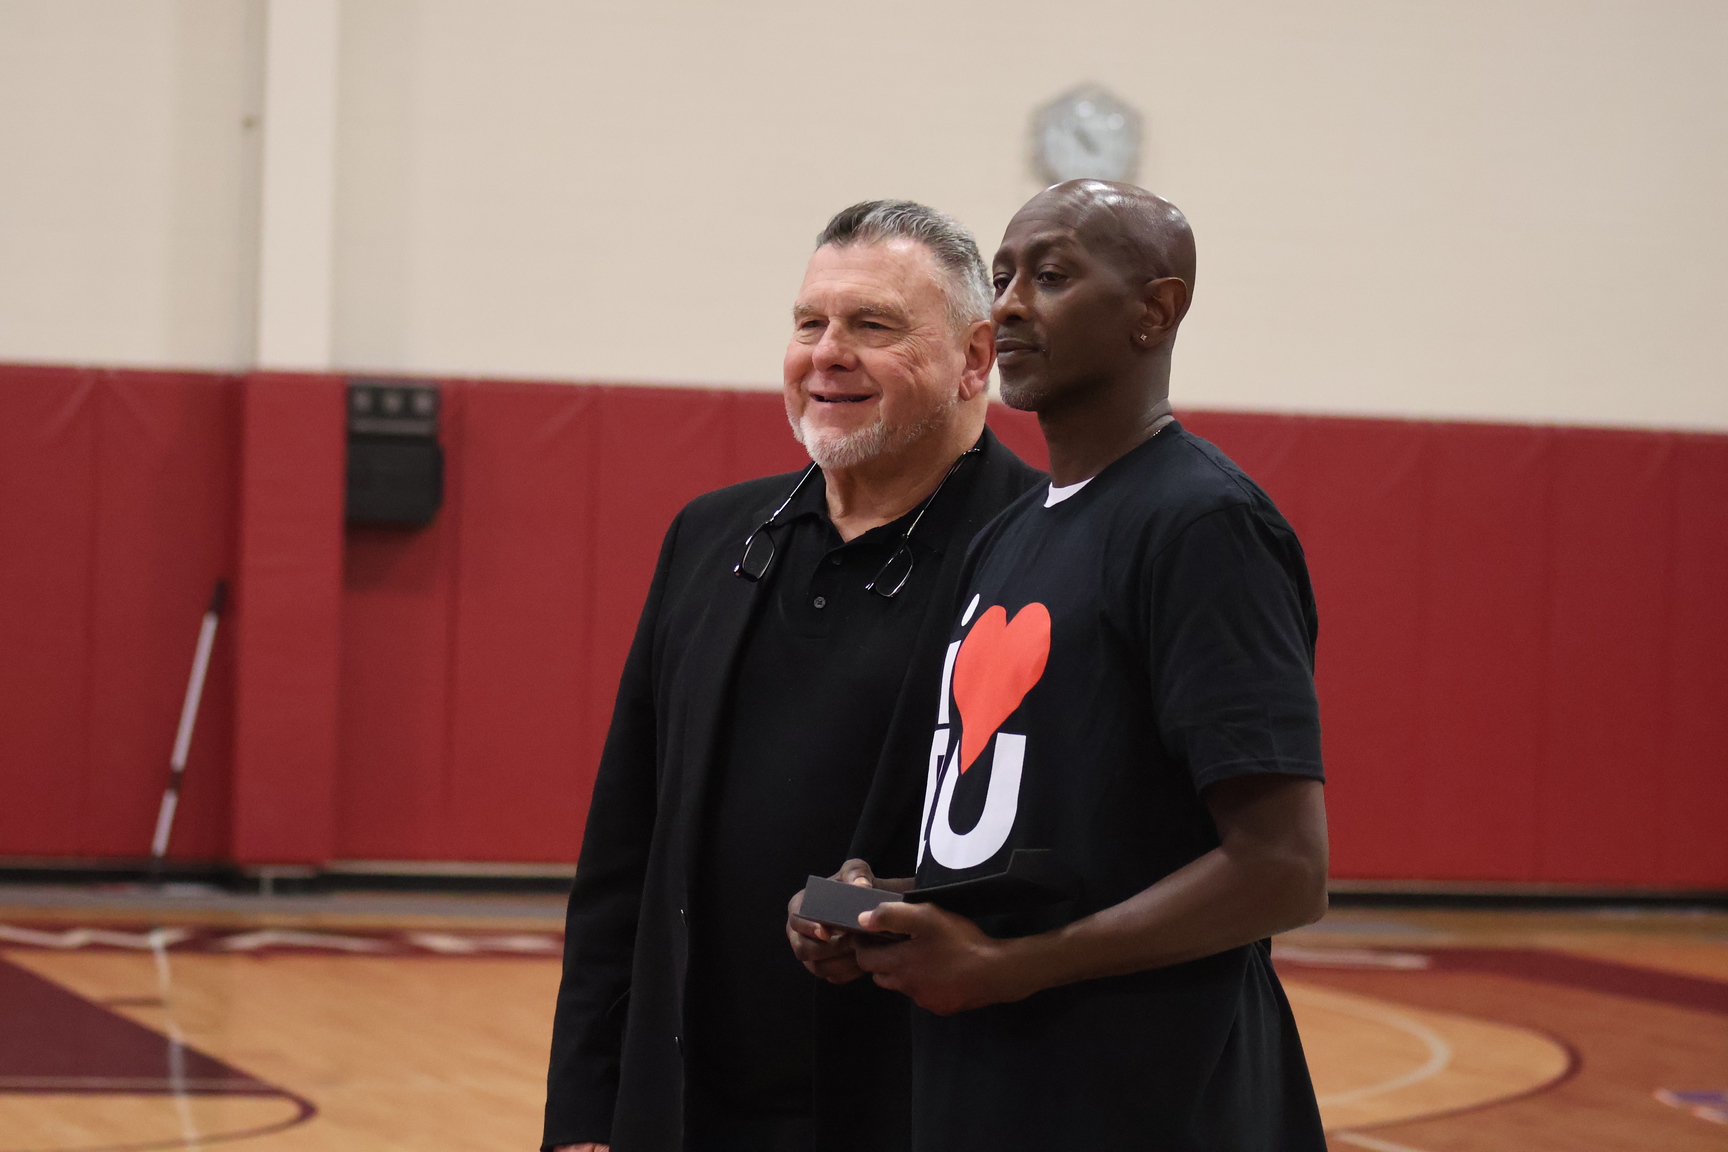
(136, 1019)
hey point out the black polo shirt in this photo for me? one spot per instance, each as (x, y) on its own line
(817, 680)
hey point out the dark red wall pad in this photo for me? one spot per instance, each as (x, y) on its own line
(1522, 645)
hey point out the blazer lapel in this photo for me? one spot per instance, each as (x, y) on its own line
(730, 607)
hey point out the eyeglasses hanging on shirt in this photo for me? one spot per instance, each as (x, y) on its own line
(760, 549)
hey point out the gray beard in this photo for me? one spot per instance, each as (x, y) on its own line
(850, 449)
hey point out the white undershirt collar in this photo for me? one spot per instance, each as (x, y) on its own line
(1057, 495)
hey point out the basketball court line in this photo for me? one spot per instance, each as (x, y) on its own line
(211, 1137)
(64, 1055)
(1623, 1048)
(148, 903)
(1439, 1051)
(1372, 1143)
(1378, 1061)
(274, 941)
(1409, 1075)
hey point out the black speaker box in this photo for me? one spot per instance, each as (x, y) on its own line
(395, 464)
(395, 480)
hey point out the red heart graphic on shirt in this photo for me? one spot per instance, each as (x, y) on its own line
(998, 664)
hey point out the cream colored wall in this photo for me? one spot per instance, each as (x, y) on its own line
(128, 202)
(1506, 209)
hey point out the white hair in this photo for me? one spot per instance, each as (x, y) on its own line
(966, 283)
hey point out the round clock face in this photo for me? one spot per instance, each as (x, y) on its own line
(1086, 133)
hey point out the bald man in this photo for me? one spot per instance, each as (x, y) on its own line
(1130, 685)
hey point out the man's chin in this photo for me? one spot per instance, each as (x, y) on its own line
(833, 448)
(825, 427)
(849, 447)
(1026, 393)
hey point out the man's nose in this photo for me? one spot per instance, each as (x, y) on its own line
(1010, 303)
(834, 351)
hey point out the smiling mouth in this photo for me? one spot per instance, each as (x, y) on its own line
(841, 397)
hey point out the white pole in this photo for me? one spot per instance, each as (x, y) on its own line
(188, 718)
(165, 821)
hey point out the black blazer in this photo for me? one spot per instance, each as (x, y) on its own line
(617, 1071)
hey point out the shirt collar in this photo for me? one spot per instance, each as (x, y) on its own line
(940, 518)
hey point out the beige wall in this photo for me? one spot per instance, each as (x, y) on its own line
(128, 144)
(1505, 209)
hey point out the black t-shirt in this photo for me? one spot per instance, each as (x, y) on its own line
(814, 690)
(1117, 653)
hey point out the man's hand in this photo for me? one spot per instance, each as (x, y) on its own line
(824, 951)
(828, 952)
(1267, 875)
(949, 965)
(859, 872)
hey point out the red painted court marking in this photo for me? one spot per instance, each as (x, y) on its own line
(1542, 967)
(59, 937)
(305, 1111)
(54, 1040)
(1572, 971)
(1545, 967)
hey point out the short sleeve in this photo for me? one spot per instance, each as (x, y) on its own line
(1232, 630)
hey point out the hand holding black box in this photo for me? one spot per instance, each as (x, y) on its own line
(838, 905)
(1034, 877)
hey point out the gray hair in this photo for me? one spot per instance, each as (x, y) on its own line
(874, 221)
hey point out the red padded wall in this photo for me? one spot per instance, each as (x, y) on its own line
(1483, 651)
(117, 513)
(481, 654)
(288, 623)
(1522, 657)
(1523, 661)
(1602, 783)
(48, 489)
(1694, 849)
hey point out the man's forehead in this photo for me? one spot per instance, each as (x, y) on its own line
(897, 258)
(1129, 228)
(822, 303)
(1061, 215)
(888, 276)
(1036, 234)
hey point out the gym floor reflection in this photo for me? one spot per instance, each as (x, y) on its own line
(135, 1018)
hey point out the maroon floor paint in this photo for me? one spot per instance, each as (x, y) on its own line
(52, 1040)
(1574, 971)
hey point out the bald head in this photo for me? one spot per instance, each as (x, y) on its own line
(1140, 233)
(1092, 281)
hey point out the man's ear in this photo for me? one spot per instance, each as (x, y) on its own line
(980, 350)
(1166, 302)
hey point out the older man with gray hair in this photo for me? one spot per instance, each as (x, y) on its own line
(771, 723)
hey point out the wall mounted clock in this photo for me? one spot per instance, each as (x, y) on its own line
(1087, 132)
